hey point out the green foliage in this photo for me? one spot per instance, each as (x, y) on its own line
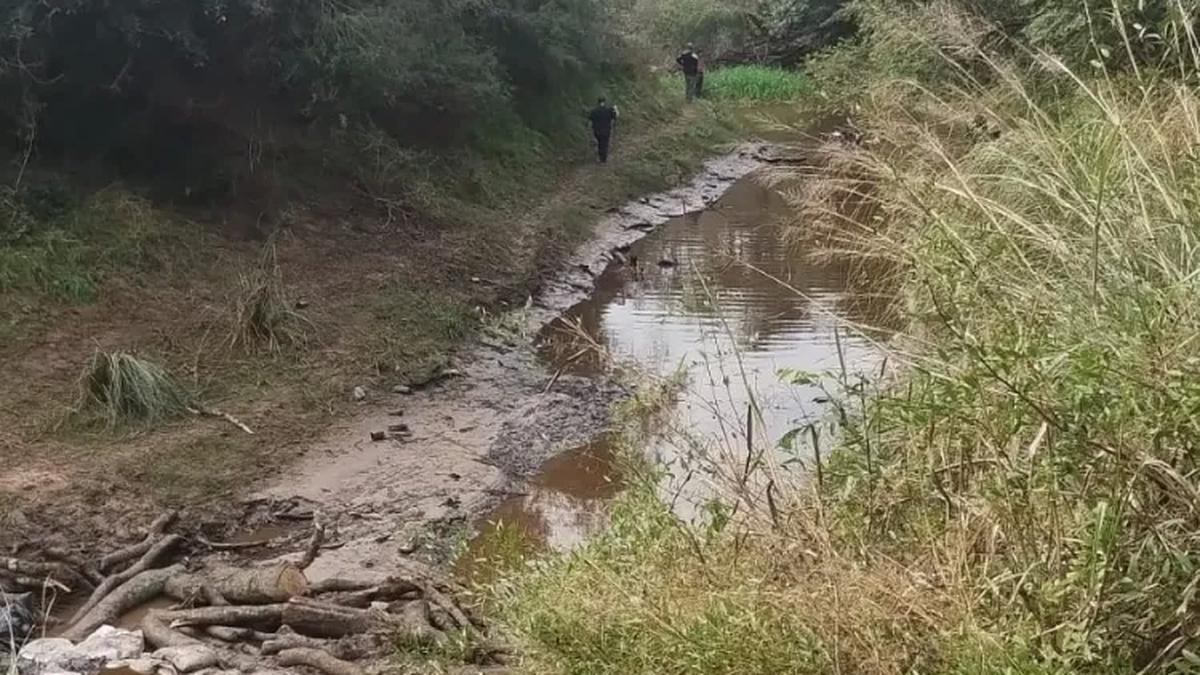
(756, 83)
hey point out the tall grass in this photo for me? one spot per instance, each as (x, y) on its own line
(756, 83)
(1020, 496)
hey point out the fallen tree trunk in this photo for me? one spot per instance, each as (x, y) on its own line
(254, 586)
(318, 619)
(322, 661)
(136, 591)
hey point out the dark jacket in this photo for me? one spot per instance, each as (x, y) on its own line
(602, 117)
(689, 62)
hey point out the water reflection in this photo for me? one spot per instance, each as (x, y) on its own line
(720, 296)
(563, 504)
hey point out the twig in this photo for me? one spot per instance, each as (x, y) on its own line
(157, 528)
(232, 545)
(314, 543)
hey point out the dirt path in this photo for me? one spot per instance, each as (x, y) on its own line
(472, 437)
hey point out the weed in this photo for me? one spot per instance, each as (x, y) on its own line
(122, 390)
(757, 83)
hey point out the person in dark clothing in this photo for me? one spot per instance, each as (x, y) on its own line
(689, 63)
(602, 118)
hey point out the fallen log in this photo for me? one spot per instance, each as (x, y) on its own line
(90, 573)
(318, 619)
(389, 591)
(238, 634)
(148, 560)
(262, 617)
(157, 528)
(138, 590)
(29, 568)
(336, 585)
(320, 660)
(13, 582)
(283, 641)
(253, 586)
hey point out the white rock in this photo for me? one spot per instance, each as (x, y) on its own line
(189, 658)
(112, 644)
(142, 666)
(359, 393)
(46, 656)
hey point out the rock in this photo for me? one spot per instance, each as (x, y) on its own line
(301, 304)
(398, 428)
(112, 644)
(188, 659)
(402, 389)
(141, 666)
(54, 655)
(397, 413)
(378, 436)
(360, 394)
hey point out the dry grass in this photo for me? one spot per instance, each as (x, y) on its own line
(263, 317)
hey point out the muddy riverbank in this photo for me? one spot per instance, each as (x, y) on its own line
(454, 450)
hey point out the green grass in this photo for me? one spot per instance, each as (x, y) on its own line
(756, 83)
(121, 390)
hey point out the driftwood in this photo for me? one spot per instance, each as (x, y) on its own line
(12, 582)
(136, 591)
(284, 641)
(238, 634)
(389, 591)
(148, 559)
(50, 571)
(78, 564)
(339, 586)
(321, 660)
(157, 528)
(253, 586)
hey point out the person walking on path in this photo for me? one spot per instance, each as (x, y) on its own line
(689, 63)
(602, 118)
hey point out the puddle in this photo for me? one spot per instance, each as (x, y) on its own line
(562, 505)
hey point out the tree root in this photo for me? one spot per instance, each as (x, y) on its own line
(148, 559)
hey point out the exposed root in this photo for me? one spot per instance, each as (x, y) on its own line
(148, 560)
(138, 590)
(156, 531)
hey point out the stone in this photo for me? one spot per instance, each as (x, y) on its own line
(360, 394)
(378, 436)
(54, 655)
(402, 389)
(141, 666)
(112, 644)
(189, 658)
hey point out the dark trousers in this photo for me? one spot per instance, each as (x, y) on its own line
(602, 146)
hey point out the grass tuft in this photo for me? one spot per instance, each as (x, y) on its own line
(264, 319)
(122, 390)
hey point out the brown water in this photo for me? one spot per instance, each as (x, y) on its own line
(717, 298)
(562, 505)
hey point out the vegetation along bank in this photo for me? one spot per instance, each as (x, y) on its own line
(1017, 493)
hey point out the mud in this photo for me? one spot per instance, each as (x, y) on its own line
(474, 438)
